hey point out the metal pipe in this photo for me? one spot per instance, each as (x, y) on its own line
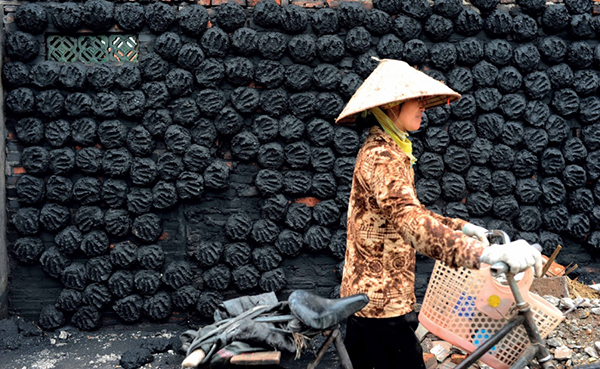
(548, 364)
(542, 354)
(342, 352)
(525, 357)
(332, 335)
(510, 278)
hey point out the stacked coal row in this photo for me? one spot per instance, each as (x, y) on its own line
(518, 151)
(108, 149)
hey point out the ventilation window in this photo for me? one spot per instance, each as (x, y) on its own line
(92, 48)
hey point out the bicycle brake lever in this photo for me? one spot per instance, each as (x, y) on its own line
(496, 233)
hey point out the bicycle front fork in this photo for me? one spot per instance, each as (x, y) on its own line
(537, 350)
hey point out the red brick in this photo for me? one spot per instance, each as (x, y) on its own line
(202, 2)
(368, 4)
(221, 2)
(457, 358)
(308, 201)
(309, 3)
(430, 361)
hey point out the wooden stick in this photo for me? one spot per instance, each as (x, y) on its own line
(256, 358)
(551, 260)
(193, 359)
(571, 269)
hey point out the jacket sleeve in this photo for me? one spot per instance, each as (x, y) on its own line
(454, 223)
(427, 233)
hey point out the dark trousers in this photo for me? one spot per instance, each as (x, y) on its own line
(385, 343)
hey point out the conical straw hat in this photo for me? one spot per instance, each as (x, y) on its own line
(395, 81)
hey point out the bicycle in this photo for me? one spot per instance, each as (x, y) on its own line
(283, 325)
(525, 318)
(308, 315)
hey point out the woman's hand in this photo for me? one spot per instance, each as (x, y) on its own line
(478, 232)
(518, 255)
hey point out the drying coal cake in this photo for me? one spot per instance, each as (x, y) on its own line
(130, 16)
(117, 222)
(302, 48)
(269, 182)
(193, 20)
(98, 15)
(22, 46)
(45, 74)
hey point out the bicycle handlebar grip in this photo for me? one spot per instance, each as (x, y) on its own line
(499, 268)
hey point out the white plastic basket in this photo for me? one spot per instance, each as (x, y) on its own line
(466, 307)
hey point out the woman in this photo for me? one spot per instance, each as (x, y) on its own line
(387, 224)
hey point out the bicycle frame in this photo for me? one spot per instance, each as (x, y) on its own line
(537, 350)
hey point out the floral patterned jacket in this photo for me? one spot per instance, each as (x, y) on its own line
(387, 225)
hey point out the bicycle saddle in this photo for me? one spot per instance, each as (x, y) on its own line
(320, 313)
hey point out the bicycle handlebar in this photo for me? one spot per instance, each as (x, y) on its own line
(496, 233)
(500, 267)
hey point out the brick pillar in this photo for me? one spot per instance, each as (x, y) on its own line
(3, 251)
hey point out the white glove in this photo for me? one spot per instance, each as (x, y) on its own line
(518, 255)
(472, 230)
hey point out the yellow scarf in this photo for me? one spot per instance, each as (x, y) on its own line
(399, 137)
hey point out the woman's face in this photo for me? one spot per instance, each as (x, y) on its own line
(407, 116)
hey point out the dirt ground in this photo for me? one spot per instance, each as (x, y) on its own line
(580, 331)
(24, 346)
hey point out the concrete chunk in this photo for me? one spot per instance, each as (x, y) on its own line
(440, 352)
(554, 286)
(591, 351)
(421, 332)
(563, 353)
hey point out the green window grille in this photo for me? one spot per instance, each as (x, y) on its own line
(62, 48)
(92, 48)
(122, 48)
